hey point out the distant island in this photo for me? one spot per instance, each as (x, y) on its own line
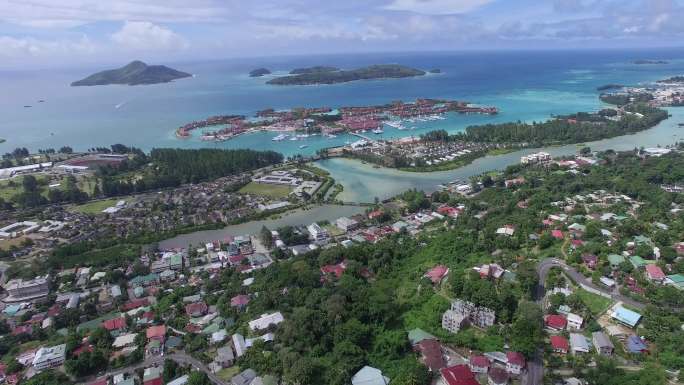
(650, 62)
(133, 74)
(382, 71)
(609, 87)
(674, 79)
(313, 70)
(259, 72)
(435, 71)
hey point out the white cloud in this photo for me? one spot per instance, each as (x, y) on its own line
(437, 7)
(143, 35)
(27, 47)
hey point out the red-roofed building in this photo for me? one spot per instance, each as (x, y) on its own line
(115, 326)
(86, 347)
(101, 381)
(154, 381)
(437, 274)
(557, 234)
(458, 375)
(448, 211)
(576, 243)
(337, 270)
(556, 322)
(655, 273)
(497, 376)
(239, 301)
(431, 351)
(375, 214)
(156, 332)
(479, 364)
(54, 310)
(22, 329)
(196, 309)
(560, 344)
(590, 260)
(193, 328)
(134, 304)
(516, 362)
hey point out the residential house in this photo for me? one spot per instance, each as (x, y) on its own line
(244, 378)
(453, 321)
(555, 322)
(635, 345)
(654, 273)
(458, 375)
(369, 376)
(559, 344)
(497, 376)
(196, 309)
(115, 326)
(346, 224)
(626, 317)
(479, 364)
(615, 260)
(239, 301)
(415, 336)
(266, 320)
(49, 357)
(182, 380)
(437, 274)
(602, 343)
(515, 362)
(574, 321)
(590, 260)
(431, 354)
(578, 343)
(507, 230)
(317, 233)
(225, 357)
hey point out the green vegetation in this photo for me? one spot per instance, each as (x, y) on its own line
(132, 74)
(674, 79)
(313, 70)
(624, 99)
(173, 167)
(382, 71)
(594, 302)
(609, 87)
(95, 207)
(268, 190)
(577, 128)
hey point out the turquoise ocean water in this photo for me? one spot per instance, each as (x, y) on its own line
(525, 85)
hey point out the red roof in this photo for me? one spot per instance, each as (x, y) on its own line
(21, 329)
(374, 214)
(577, 242)
(154, 381)
(134, 304)
(556, 321)
(195, 308)
(516, 358)
(82, 349)
(559, 343)
(432, 354)
(114, 323)
(156, 331)
(337, 269)
(479, 361)
(557, 234)
(654, 272)
(437, 273)
(101, 381)
(458, 375)
(239, 300)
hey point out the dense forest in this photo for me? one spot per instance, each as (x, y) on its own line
(565, 130)
(173, 167)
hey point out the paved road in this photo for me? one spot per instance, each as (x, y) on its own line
(180, 358)
(546, 265)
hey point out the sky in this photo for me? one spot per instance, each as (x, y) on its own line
(72, 33)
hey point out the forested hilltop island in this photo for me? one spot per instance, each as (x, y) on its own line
(259, 72)
(330, 75)
(133, 74)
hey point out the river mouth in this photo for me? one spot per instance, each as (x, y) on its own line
(363, 183)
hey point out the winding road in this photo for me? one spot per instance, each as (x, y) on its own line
(180, 358)
(546, 265)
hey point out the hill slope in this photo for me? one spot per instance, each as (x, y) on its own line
(135, 73)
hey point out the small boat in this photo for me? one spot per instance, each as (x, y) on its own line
(378, 131)
(41, 101)
(303, 146)
(27, 106)
(280, 138)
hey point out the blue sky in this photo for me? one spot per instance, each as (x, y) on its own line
(81, 32)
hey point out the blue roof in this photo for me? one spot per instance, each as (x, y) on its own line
(626, 316)
(635, 344)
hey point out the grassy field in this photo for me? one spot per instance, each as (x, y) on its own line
(228, 373)
(95, 207)
(596, 303)
(5, 244)
(267, 190)
(86, 184)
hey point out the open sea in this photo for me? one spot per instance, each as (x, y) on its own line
(524, 85)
